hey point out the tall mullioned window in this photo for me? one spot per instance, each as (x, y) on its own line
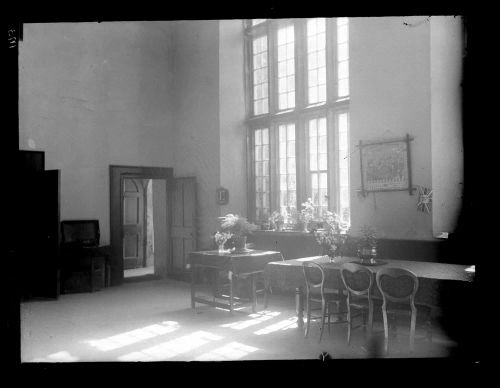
(298, 115)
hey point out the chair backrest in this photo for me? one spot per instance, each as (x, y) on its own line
(397, 284)
(357, 279)
(314, 275)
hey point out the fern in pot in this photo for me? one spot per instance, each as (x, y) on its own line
(239, 227)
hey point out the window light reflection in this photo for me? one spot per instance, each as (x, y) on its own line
(290, 323)
(257, 318)
(62, 356)
(171, 348)
(231, 351)
(134, 336)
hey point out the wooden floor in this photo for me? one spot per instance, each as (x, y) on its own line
(153, 321)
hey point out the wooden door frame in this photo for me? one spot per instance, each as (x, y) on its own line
(116, 176)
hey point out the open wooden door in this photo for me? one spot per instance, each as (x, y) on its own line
(183, 227)
(133, 223)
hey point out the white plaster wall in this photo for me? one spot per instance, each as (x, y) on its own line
(196, 115)
(232, 117)
(446, 119)
(390, 97)
(91, 95)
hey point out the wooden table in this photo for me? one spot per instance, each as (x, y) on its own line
(248, 263)
(432, 277)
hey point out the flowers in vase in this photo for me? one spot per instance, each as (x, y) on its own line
(221, 237)
(307, 212)
(367, 245)
(237, 225)
(333, 236)
(276, 219)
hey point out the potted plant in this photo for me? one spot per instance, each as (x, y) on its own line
(277, 220)
(239, 227)
(333, 236)
(367, 244)
(306, 214)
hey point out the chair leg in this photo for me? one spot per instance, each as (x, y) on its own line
(349, 323)
(386, 328)
(323, 312)
(329, 313)
(266, 297)
(308, 302)
(254, 294)
(412, 330)
(370, 320)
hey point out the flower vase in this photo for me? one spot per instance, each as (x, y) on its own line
(221, 248)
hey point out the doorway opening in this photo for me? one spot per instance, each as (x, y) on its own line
(138, 255)
(139, 222)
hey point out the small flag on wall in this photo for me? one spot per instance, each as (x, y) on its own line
(424, 199)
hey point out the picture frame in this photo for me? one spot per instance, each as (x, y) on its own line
(386, 165)
(222, 196)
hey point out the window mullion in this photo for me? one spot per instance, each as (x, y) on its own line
(303, 180)
(274, 166)
(302, 162)
(331, 54)
(251, 208)
(332, 137)
(300, 64)
(272, 67)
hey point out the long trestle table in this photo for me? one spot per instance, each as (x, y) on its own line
(249, 263)
(433, 277)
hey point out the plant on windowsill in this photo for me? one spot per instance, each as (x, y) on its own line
(239, 227)
(306, 215)
(277, 220)
(333, 236)
(367, 244)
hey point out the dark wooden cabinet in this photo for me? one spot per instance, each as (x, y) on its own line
(36, 232)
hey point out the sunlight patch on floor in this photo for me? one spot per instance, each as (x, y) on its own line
(170, 349)
(257, 318)
(231, 351)
(62, 356)
(290, 323)
(133, 336)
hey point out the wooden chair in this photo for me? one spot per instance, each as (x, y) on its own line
(316, 292)
(398, 287)
(358, 281)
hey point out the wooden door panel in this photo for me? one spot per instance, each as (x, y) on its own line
(133, 223)
(131, 210)
(183, 227)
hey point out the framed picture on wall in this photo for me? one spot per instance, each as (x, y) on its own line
(385, 165)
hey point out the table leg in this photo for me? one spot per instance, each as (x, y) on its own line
(230, 276)
(108, 275)
(92, 269)
(193, 275)
(254, 295)
(299, 302)
(266, 296)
